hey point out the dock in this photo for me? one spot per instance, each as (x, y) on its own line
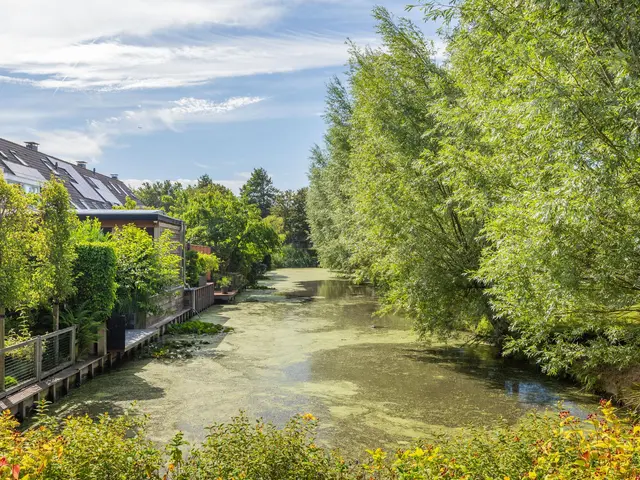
(22, 403)
(228, 297)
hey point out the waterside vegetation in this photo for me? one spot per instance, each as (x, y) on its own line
(495, 191)
(541, 447)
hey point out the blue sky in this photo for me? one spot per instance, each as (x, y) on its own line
(181, 88)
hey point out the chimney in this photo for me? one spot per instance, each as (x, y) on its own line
(82, 164)
(32, 146)
(114, 176)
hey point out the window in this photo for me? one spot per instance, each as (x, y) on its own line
(4, 155)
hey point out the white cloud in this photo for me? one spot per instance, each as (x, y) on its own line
(119, 44)
(233, 184)
(88, 144)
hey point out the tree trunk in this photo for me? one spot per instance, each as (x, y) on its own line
(56, 317)
(56, 327)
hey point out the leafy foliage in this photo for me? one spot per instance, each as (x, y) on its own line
(499, 187)
(88, 320)
(16, 223)
(161, 195)
(199, 264)
(144, 267)
(235, 230)
(398, 225)
(292, 257)
(290, 205)
(95, 277)
(565, 448)
(259, 191)
(53, 248)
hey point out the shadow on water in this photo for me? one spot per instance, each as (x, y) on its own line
(514, 378)
(108, 393)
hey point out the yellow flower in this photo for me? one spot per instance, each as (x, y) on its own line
(308, 417)
(533, 475)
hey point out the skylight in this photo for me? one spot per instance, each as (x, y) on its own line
(18, 158)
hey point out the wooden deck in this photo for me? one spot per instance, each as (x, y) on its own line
(226, 297)
(22, 402)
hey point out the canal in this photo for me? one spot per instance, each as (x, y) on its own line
(313, 345)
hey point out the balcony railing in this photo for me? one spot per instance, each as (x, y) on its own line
(36, 359)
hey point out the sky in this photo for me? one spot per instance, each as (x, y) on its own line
(174, 89)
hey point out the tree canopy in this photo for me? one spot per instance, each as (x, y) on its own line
(259, 190)
(498, 186)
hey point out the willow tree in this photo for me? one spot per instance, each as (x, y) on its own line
(329, 195)
(552, 88)
(404, 228)
(54, 249)
(16, 225)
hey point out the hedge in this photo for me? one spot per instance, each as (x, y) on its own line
(95, 271)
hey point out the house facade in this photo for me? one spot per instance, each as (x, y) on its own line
(27, 166)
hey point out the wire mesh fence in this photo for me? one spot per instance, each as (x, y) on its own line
(20, 364)
(31, 361)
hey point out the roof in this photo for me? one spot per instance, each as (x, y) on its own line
(88, 189)
(126, 215)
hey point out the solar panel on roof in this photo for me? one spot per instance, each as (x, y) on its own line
(81, 184)
(25, 172)
(106, 194)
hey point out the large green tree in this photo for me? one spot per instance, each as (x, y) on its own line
(16, 222)
(552, 89)
(234, 228)
(161, 195)
(53, 279)
(290, 205)
(380, 175)
(259, 190)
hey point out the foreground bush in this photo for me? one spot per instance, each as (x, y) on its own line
(541, 447)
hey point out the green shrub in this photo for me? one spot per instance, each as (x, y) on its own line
(292, 257)
(9, 382)
(258, 450)
(541, 447)
(88, 322)
(192, 271)
(95, 271)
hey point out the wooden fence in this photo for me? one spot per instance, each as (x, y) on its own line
(202, 298)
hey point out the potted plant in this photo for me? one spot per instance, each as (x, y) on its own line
(225, 283)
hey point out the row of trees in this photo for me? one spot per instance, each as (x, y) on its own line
(247, 232)
(49, 258)
(496, 191)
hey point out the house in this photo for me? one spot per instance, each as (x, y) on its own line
(88, 189)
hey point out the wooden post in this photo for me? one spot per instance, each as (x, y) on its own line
(2, 312)
(102, 341)
(56, 327)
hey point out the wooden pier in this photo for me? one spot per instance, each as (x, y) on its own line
(23, 402)
(229, 297)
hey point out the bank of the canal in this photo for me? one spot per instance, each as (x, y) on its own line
(312, 345)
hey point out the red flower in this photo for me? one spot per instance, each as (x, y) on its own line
(3, 462)
(16, 471)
